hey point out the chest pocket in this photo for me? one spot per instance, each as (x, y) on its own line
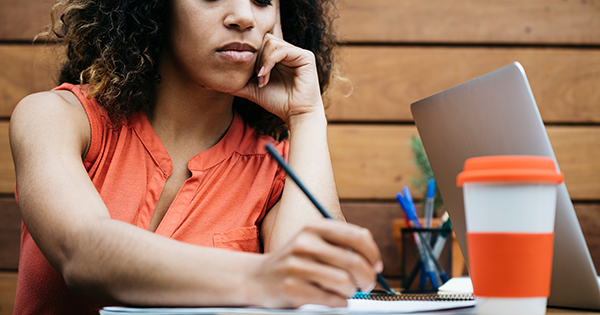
(242, 239)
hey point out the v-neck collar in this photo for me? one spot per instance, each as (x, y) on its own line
(201, 161)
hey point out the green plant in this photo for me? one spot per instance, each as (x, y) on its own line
(425, 173)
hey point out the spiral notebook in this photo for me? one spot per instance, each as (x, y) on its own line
(374, 303)
(439, 297)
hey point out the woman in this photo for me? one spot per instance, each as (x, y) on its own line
(143, 179)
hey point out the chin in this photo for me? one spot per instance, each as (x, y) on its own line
(229, 84)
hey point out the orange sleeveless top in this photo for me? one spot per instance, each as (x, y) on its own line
(233, 185)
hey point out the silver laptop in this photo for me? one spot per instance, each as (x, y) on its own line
(496, 114)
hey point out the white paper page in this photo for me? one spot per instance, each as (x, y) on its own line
(457, 285)
(383, 307)
(118, 310)
(354, 307)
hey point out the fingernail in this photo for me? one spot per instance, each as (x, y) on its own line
(379, 266)
(261, 81)
(260, 72)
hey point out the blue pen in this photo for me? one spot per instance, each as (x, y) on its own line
(414, 222)
(411, 204)
(271, 149)
(429, 206)
(429, 202)
(438, 270)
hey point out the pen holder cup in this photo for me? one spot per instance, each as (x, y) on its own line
(414, 279)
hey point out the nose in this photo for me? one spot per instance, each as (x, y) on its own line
(240, 15)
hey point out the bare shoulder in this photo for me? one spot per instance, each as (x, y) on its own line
(53, 103)
(51, 116)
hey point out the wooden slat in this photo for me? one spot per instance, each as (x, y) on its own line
(23, 19)
(462, 21)
(8, 289)
(386, 80)
(376, 216)
(25, 69)
(375, 162)
(371, 161)
(7, 170)
(471, 21)
(589, 219)
(577, 150)
(10, 234)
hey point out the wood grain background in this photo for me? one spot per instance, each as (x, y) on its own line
(393, 52)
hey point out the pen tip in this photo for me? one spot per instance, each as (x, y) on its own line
(383, 283)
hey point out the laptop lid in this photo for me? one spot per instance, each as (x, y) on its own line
(496, 114)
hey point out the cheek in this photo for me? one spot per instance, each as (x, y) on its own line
(191, 44)
(191, 40)
(191, 28)
(266, 19)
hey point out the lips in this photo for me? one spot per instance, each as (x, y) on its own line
(237, 52)
(238, 47)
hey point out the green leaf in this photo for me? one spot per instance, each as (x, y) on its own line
(425, 174)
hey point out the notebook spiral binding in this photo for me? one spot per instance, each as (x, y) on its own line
(417, 297)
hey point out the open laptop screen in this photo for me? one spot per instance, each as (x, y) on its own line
(496, 114)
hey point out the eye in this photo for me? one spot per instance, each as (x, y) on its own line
(263, 3)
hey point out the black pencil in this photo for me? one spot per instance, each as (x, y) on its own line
(380, 280)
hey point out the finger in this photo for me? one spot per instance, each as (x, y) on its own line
(351, 236)
(355, 266)
(276, 51)
(328, 278)
(273, 52)
(264, 75)
(310, 293)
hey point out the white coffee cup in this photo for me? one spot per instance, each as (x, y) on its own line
(510, 204)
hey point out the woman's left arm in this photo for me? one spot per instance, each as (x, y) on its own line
(309, 158)
(287, 85)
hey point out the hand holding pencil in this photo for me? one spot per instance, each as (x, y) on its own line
(325, 263)
(380, 280)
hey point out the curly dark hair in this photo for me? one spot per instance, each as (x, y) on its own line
(114, 45)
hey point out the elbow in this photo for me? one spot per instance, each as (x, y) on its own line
(68, 258)
(85, 272)
(76, 276)
(83, 279)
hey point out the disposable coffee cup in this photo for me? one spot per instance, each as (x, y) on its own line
(510, 205)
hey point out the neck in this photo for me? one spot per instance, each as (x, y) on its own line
(190, 115)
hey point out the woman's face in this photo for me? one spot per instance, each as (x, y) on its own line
(215, 43)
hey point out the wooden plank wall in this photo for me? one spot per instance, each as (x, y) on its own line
(394, 52)
(399, 51)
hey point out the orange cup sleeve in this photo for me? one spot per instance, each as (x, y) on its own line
(510, 264)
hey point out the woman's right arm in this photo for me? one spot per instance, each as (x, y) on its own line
(115, 261)
(104, 258)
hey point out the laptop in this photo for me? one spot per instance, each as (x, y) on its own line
(496, 114)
